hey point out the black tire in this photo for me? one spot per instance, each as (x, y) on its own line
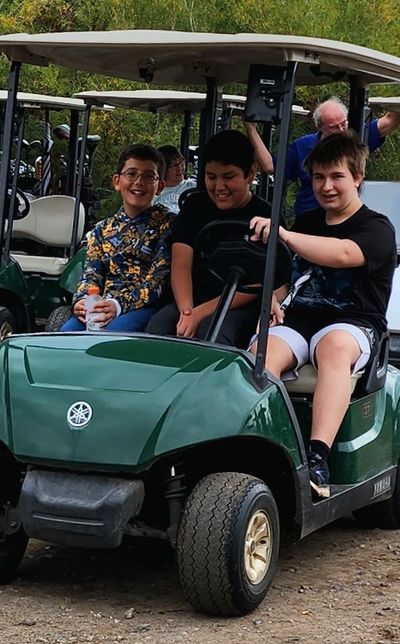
(385, 514)
(12, 550)
(7, 323)
(215, 559)
(57, 318)
(13, 544)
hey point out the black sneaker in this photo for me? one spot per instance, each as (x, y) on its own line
(319, 474)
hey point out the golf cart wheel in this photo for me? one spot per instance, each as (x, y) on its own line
(13, 540)
(12, 550)
(57, 318)
(228, 544)
(385, 514)
(7, 323)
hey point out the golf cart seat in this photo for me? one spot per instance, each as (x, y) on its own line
(363, 383)
(306, 381)
(48, 222)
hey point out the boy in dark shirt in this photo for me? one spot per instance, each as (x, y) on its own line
(337, 317)
(230, 168)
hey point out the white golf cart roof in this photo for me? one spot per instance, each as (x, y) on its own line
(41, 101)
(164, 101)
(391, 103)
(175, 57)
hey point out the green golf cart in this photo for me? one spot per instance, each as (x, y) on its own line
(110, 435)
(40, 231)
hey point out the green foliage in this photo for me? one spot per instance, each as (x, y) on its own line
(372, 24)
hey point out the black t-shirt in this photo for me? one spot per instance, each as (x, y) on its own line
(197, 211)
(361, 294)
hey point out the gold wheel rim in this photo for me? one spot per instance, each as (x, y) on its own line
(5, 330)
(258, 547)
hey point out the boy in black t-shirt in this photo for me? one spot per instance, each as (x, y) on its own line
(339, 314)
(230, 168)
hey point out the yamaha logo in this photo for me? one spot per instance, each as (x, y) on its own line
(79, 415)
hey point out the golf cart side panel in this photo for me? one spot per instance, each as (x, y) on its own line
(5, 426)
(12, 280)
(73, 272)
(368, 441)
(45, 295)
(163, 394)
(213, 407)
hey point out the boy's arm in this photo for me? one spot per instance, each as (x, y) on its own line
(181, 276)
(323, 251)
(188, 324)
(261, 152)
(94, 271)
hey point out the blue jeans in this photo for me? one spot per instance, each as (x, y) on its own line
(135, 320)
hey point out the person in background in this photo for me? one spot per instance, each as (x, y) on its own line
(329, 117)
(128, 254)
(337, 318)
(175, 182)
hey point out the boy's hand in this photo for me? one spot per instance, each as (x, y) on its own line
(107, 311)
(79, 310)
(260, 227)
(188, 323)
(277, 315)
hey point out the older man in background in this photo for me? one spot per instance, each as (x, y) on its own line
(329, 117)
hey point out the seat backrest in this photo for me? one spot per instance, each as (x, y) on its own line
(384, 197)
(50, 221)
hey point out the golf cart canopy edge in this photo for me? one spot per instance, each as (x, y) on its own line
(187, 58)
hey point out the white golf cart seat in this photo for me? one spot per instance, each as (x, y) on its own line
(48, 222)
(305, 383)
(363, 383)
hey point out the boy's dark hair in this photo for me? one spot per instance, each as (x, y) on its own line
(170, 153)
(145, 153)
(337, 147)
(230, 147)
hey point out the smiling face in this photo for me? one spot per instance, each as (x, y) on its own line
(227, 186)
(138, 184)
(336, 190)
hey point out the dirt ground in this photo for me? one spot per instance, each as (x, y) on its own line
(340, 585)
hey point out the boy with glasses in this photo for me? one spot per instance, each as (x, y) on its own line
(175, 182)
(128, 255)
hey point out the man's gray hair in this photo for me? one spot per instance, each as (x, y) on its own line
(317, 111)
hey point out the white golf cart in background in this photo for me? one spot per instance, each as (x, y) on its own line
(384, 197)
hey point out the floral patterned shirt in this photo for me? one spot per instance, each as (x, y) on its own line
(128, 258)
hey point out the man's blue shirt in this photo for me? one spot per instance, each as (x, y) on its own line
(295, 171)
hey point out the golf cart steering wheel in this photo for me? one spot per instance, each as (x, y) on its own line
(22, 205)
(223, 245)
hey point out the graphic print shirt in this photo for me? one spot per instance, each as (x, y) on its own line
(128, 258)
(360, 294)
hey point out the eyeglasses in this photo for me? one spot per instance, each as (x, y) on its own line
(134, 175)
(336, 126)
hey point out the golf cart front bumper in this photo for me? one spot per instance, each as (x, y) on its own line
(78, 509)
